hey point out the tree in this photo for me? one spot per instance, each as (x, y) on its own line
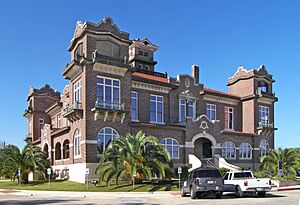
(139, 154)
(290, 161)
(30, 159)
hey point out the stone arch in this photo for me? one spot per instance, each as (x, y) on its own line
(46, 149)
(206, 136)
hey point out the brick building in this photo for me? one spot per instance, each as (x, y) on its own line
(113, 88)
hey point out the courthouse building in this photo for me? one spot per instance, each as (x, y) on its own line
(113, 88)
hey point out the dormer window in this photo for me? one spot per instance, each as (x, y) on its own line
(147, 67)
(146, 54)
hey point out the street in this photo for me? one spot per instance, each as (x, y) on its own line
(35, 197)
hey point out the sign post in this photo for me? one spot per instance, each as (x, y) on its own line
(19, 175)
(179, 172)
(133, 176)
(87, 173)
(49, 174)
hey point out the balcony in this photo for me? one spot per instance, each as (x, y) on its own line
(149, 72)
(109, 111)
(28, 138)
(265, 124)
(27, 112)
(73, 112)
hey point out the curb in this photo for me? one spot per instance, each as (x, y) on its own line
(287, 188)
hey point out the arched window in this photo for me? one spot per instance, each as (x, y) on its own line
(228, 150)
(104, 138)
(264, 147)
(77, 143)
(66, 149)
(245, 151)
(46, 150)
(58, 151)
(172, 146)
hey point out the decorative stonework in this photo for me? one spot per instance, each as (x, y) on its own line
(188, 95)
(204, 125)
(221, 99)
(267, 101)
(109, 69)
(187, 82)
(150, 87)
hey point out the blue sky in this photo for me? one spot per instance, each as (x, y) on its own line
(217, 35)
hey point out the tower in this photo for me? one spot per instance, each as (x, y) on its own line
(141, 54)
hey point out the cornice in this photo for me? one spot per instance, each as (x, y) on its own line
(219, 99)
(150, 87)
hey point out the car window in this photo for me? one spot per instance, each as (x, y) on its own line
(226, 176)
(194, 174)
(239, 175)
(208, 173)
(229, 177)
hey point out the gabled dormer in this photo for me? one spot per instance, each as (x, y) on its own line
(141, 54)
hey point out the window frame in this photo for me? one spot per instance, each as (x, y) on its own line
(112, 135)
(111, 89)
(227, 143)
(182, 118)
(193, 109)
(77, 91)
(209, 110)
(227, 118)
(137, 105)
(77, 144)
(156, 110)
(266, 146)
(172, 145)
(247, 149)
(266, 110)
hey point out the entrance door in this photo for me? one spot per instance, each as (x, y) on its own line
(206, 149)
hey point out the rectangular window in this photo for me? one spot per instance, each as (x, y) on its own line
(108, 93)
(191, 109)
(41, 123)
(263, 116)
(134, 106)
(156, 109)
(211, 111)
(229, 121)
(77, 92)
(182, 110)
(53, 122)
(59, 121)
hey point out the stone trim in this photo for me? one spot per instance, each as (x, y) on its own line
(150, 87)
(266, 101)
(109, 69)
(220, 99)
(88, 142)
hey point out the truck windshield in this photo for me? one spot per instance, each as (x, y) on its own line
(242, 175)
(208, 173)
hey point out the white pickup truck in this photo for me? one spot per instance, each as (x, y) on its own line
(242, 182)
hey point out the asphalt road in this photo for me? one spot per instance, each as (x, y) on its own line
(274, 198)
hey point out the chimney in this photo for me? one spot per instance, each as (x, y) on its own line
(195, 73)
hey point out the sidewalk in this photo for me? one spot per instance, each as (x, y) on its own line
(103, 195)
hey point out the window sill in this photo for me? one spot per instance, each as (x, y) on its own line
(159, 123)
(77, 157)
(135, 121)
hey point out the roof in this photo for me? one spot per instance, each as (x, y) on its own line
(212, 91)
(237, 132)
(151, 77)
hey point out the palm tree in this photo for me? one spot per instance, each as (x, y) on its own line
(30, 159)
(290, 161)
(131, 154)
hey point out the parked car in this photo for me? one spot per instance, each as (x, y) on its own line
(203, 181)
(242, 182)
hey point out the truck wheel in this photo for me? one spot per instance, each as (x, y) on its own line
(219, 195)
(238, 192)
(193, 193)
(261, 193)
(182, 193)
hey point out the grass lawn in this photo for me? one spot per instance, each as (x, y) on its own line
(73, 186)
